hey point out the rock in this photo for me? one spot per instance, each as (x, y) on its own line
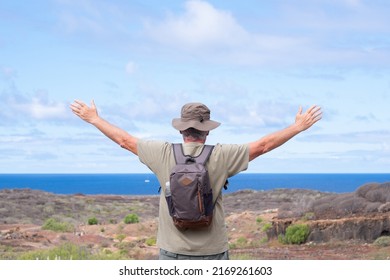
(363, 215)
(363, 228)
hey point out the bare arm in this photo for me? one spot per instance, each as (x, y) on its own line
(276, 139)
(90, 115)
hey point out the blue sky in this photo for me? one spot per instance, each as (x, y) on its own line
(252, 62)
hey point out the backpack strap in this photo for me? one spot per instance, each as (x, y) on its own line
(181, 158)
(204, 155)
(179, 154)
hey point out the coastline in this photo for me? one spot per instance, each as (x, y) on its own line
(147, 184)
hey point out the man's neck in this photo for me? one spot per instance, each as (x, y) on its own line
(194, 141)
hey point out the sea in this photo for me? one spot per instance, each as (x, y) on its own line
(147, 184)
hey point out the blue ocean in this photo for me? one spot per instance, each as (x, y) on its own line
(147, 184)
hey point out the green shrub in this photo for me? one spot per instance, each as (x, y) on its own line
(121, 237)
(151, 241)
(65, 251)
(55, 225)
(383, 241)
(266, 227)
(242, 241)
(296, 234)
(69, 251)
(93, 221)
(131, 219)
(264, 240)
(308, 216)
(259, 220)
(281, 239)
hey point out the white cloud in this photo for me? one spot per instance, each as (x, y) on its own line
(46, 110)
(8, 73)
(353, 3)
(298, 35)
(374, 137)
(92, 17)
(131, 67)
(16, 107)
(74, 23)
(252, 115)
(76, 16)
(201, 25)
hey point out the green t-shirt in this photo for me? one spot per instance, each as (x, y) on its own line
(224, 162)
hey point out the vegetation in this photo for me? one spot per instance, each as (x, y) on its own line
(266, 227)
(66, 251)
(151, 241)
(55, 225)
(93, 221)
(383, 241)
(120, 237)
(308, 216)
(248, 226)
(295, 234)
(131, 219)
(69, 251)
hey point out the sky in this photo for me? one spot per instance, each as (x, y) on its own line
(252, 62)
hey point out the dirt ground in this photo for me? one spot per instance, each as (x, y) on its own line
(246, 238)
(246, 220)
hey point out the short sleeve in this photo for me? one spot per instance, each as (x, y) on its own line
(154, 153)
(235, 157)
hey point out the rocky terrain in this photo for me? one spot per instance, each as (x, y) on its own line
(363, 215)
(342, 226)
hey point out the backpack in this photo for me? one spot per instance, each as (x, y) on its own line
(188, 192)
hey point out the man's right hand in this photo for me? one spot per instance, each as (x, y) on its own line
(88, 114)
(119, 136)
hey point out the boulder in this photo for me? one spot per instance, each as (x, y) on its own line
(363, 215)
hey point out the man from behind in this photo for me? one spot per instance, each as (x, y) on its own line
(225, 161)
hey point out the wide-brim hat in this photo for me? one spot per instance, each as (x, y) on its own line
(196, 115)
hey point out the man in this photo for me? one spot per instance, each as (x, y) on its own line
(225, 161)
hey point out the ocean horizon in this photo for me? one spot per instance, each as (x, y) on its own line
(147, 183)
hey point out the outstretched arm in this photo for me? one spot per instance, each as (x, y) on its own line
(276, 139)
(90, 115)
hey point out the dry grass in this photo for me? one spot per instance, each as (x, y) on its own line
(248, 215)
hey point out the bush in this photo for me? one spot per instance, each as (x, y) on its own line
(65, 251)
(296, 234)
(242, 241)
(69, 251)
(93, 221)
(266, 227)
(383, 241)
(131, 219)
(151, 241)
(264, 240)
(309, 216)
(121, 237)
(55, 225)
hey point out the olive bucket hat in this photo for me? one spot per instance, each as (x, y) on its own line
(196, 115)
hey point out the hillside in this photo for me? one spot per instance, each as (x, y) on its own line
(254, 220)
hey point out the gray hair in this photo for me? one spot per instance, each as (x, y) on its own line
(194, 134)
